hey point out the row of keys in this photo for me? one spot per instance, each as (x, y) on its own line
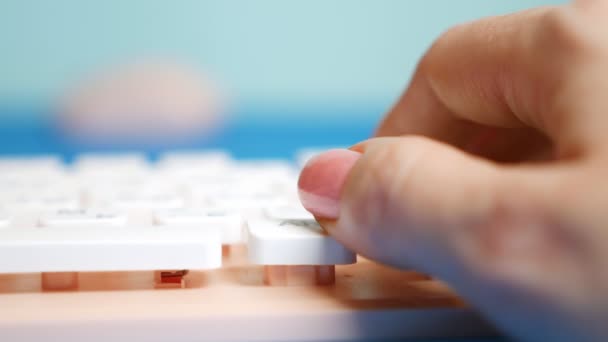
(120, 212)
(207, 161)
(72, 241)
(126, 182)
(185, 163)
(229, 223)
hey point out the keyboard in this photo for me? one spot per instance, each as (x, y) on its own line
(192, 244)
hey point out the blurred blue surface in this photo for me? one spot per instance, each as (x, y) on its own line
(263, 133)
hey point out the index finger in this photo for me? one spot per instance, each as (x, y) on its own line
(502, 82)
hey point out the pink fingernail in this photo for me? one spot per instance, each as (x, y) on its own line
(322, 180)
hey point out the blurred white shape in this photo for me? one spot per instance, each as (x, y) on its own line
(141, 102)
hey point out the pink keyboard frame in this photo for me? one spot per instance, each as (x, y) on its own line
(367, 301)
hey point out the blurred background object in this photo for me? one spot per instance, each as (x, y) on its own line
(143, 102)
(298, 73)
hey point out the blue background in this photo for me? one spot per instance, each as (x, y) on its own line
(261, 51)
(297, 73)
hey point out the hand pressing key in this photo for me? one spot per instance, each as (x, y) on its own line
(490, 172)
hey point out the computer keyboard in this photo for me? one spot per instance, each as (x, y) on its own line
(194, 226)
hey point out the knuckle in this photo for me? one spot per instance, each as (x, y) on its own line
(564, 33)
(435, 55)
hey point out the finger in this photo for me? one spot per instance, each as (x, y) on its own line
(460, 71)
(406, 201)
(498, 77)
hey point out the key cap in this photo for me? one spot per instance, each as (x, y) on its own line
(141, 195)
(146, 201)
(39, 202)
(192, 163)
(5, 219)
(95, 249)
(38, 183)
(229, 224)
(247, 179)
(269, 170)
(294, 242)
(248, 206)
(288, 212)
(235, 190)
(82, 218)
(33, 163)
(24, 170)
(111, 165)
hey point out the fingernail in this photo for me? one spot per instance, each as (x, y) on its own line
(322, 179)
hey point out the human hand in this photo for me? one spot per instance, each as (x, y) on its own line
(494, 177)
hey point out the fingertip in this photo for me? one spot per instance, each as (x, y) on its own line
(322, 179)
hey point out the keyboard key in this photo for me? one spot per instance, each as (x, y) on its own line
(5, 219)
(229, 224)
(95, 249)
(147, 201)
(137, 196)
(235, 189)
(20, 183)
(42, 201)
(34, 164)
(83, 218)
(294, 242)
(195, 163)
(111, 165)
(273, 170)
(246, 205)
(288, 212)
(24, 173)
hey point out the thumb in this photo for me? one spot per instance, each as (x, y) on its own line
(503, 236)
(415, 202)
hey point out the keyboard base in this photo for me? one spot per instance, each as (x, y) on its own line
(367, 301)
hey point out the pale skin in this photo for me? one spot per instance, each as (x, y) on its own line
(490, 172)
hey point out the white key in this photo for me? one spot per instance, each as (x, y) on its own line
(94, 249)
(269, 170)
(233, 190)
(5, 219)
(34, 163)
(288, 212)
(111, 165)
(24, 170)
(229, 224)
(108, 188)
(294, 242)
(195, 163)
(146, 201)
(152, 196)
(247, 205)
(82, 218)
(28, 183)
(43, 201)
